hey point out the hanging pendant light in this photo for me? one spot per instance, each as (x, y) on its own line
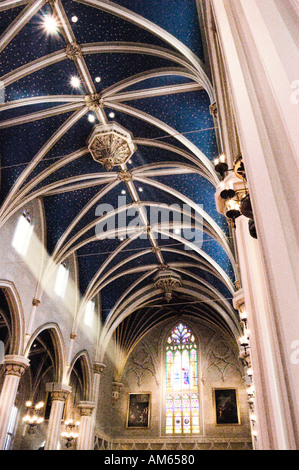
(220, 164)
(32, 417)
(70, 434)
(71, 427)
(233, 209)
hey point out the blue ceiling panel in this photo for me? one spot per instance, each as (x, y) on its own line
(146, 117)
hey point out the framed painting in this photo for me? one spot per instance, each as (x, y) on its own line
(226, 406)
(138, 410)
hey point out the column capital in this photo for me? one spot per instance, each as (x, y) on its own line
(98, 367)
(15, 365)
(86, 408)
(239, 299)
(58, 391)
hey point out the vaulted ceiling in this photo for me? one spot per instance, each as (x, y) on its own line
(144, 65)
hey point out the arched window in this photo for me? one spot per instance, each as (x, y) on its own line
(182, 403)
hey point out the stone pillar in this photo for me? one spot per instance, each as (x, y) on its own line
(269, 396)
(245, 357)
(58, 396)
(98, 369)
(268, 406)
(261, 59)
(85, 438)
(15, 367)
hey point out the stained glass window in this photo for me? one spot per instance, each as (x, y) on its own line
(182, 403)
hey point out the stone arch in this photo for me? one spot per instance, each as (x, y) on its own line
(86, 369)
(16, 316)
(58, 345)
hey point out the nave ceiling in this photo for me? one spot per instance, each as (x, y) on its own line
(144, 66)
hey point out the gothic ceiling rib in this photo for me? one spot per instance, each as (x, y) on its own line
(155, 83)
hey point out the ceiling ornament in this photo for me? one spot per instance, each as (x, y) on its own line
(94, 101)
(73, 51)
(168, 281)
(125, 175)
(111, 145)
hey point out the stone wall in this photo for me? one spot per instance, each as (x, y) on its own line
(218, 367)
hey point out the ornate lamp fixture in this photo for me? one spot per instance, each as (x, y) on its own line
(238, 202)
(239, 169)
(168, 281)
(111, 145)
(70, 433)
(244, 342)
(32, 417)
(220, 164)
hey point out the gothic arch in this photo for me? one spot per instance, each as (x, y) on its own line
(86, 367)
(58, 344)
(16, 315)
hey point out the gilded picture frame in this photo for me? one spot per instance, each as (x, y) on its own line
(139, 410)
(226, 406)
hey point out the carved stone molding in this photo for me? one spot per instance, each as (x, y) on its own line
(98, 367)
(73, 51)
(124, 175)
(140, 364)
(116, 388)
(59, 395)
(214, 110)
(168, 281)
(58, 391)
(15, 365)
(86, 408)
(35, 302)
(94, 101)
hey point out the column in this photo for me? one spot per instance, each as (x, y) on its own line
(98, 369)
(272, 427)
(85, 438)
(245, 356)
(15, 367)
(261, 58)
(58, 396)
(269, 391)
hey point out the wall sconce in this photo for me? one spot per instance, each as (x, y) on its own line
(71, 432)
(251, 391)
(227, 194)
(32, 417)
(220, 164)
(233, 209)
(244, 342)
(243, 316)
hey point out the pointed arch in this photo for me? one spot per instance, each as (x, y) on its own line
(58, 345)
